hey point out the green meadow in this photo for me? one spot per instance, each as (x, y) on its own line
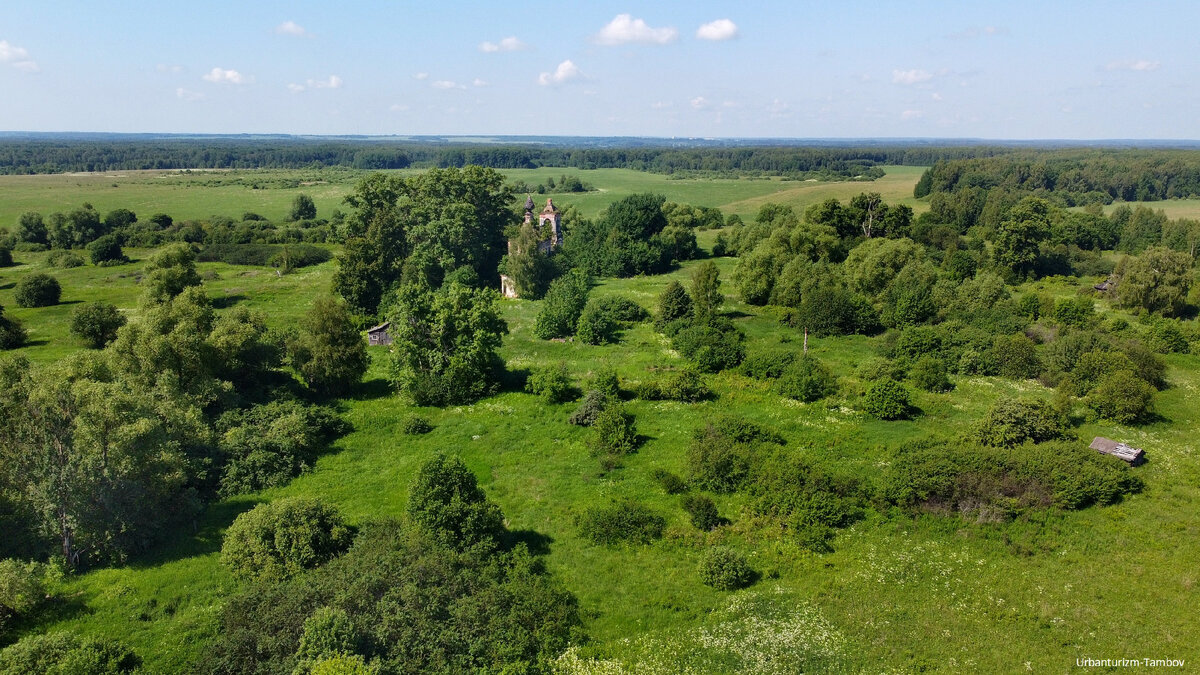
(897, 594)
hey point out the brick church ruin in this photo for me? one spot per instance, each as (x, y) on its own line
(550, 238)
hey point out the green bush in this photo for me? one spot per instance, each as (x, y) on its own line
(1166, 338)
(281, 538)
(446, 501)
(767, 365)
(596, 325)
(268, 445)
(12, 333)
(64, 259)
(673, 303)
(327, 632)
(669, 482)
(1012, 421)
(613, 432)
(879, 368)
(106, 250)
(607, 383)
(717, 461)
(594, 402)
(620, 308)
(63, 653)
(96, 323)
(1076, 312)
(888, 400)
(808, 380)
(329, 352)
(37, 290)
(712, 346)
(702, 511)
(562, 306)
(22, 590)
(725, 569)
(624, 521)
(1016, 356)
(929, 374)
(1123, 397)
(415, 425)
(551, 383)
(685, 386)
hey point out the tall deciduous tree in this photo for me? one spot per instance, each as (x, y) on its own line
(1157, 281)
(445, 343)
(706, 291)
(169, 272)
(1018, 237)
(329, 353)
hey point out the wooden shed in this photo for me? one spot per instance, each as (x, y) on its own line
(1119, 450)
(378, 335)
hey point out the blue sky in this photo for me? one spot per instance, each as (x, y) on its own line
(1020, 70)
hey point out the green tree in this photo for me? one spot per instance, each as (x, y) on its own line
(1012, 421)
(329, 353)
(31, 228)
(169, 272)
(445, 344)
(37, 290)
(12, 333)
(888, 400)
(706, 291)
(282, 538)
(106, 249)
(597, 326)
(530, 269)
(1157, 281)
(562, 307)
(1017, 239)
(99, 464)
(303, 208)
(118, 219)
(446, 501)
(96, 323)
(807, 379)
(63, 653)
(1123, 398)
(674, 303)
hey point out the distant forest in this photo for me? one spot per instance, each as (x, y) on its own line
(51, 154)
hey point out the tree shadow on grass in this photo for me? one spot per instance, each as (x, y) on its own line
(5, 287)
(201, 535)
(227, 301)
(514, 379)
(369, 390)
(536, 542)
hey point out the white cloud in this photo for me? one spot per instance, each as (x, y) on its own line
(398, 107)
(911, 114)
(17, 57)
(333, 82)
(659, 105)
(188, 95)
(165, 68)
(565, 72)
(936, 96)
(625, 29)
(508, 44)
(1141, 65)
(447, 84)
(421, 76)
(914, 76)
(222, 76)
(295, 88)
(699, 103)
(479, 82)
(779, 109)
(292, 28)
(721, 29)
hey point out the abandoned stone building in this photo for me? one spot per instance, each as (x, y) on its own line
(550, 238)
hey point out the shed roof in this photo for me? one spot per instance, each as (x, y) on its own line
(1117, 449)
(383, 326)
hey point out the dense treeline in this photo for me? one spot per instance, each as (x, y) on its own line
(61, 155)
(1070, 177)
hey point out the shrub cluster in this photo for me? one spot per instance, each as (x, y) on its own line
(282, 538)
(725, 569)
(415, 425)
(562, 306)
(807, 379)
(686, 386)
(888, 400)
(1012, 421)
(96, 323)
(551, 383)
(702, 511)
(37, 290)
(623, 521)
(669, 482)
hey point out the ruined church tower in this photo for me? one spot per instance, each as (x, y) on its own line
(550, 238)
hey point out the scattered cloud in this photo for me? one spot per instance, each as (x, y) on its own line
(17, 57)
(167, 68)
(624, 29)
(420, 76)
(721, 29)
(914, 76)
(447, 84)
(936, 96)
(188, 95)
(479, 82)
(979, 31)
(699, 103)
(292, 28)
(565, 72)
(398, 107)
(508, 44)
(333, 82)
(659, 105)
(222, 76)
(1141, 65)
(779, 109)
(911, 114)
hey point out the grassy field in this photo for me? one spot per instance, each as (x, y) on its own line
(201, 194)
(898, 594)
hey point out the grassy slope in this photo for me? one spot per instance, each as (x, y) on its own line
(896, 594)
